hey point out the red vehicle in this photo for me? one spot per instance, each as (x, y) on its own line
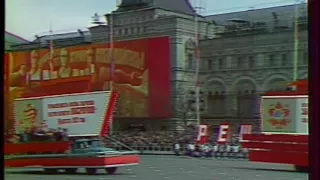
(72, 111)
(82, 153)
(284, 137)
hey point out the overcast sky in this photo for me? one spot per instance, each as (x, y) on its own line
(27, 18)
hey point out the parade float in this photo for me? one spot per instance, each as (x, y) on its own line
(138, 70)
(83, 117)
(284, 128)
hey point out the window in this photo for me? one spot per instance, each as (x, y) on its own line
(139, 30)
(284, 60)
(240, 62)
(145, 28)
(120, 32)
(272, 61)
(126, 31)
(209, 64)
(251, 62)
(132, 30)
(220, 64)
(305, 58)
(190, 61)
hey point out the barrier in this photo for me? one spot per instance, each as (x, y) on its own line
(219, 152)
(278, 148)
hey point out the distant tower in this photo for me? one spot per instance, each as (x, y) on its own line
(96, 19)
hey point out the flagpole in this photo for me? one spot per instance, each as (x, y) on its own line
(111, 60)
(111, 51)
(196, 33)
(296, 43)
(50, 51)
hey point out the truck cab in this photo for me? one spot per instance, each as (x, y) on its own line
(91, 146)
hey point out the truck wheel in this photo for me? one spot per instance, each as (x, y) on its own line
(91, 171)
(50, 170)
(301, 168)
(71, 170)
(111, 170)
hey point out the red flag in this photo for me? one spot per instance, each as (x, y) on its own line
(51, 50)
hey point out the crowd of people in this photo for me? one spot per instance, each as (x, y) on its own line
(164, 138)
(37, 134)
(180, 143)
(152, 138)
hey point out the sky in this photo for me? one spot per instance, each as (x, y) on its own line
(27, 18)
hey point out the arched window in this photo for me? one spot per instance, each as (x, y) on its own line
(189, 55)
(246, 99)
(190, 61)
(220, 64)
(216, 100)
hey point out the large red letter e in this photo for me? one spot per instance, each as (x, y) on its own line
(223, 134)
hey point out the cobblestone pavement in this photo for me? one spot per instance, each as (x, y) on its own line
(176, 168)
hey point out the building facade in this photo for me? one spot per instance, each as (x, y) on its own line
(259, 50)
(243, 54)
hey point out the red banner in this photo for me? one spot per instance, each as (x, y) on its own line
(141, 74)
(6, 71)
(7, 103)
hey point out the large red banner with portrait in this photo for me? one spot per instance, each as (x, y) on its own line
(6, 61)
(141, 74)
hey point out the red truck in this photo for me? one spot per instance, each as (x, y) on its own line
(284, 125)
(82, 115)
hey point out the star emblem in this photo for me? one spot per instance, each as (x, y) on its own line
(279, 116)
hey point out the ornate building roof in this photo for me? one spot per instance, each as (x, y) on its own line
(182, 6)
(284, 14)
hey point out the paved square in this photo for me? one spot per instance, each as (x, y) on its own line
(178, 168)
